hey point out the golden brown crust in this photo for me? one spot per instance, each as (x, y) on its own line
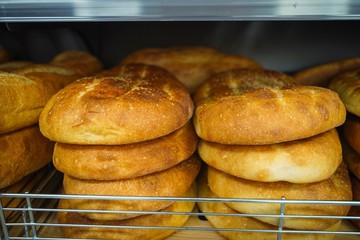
(235, 222)
(170, 182)
(22, 152)
(81, 62)
(191, 65)
(161, 220)
(99, 162)
(303, 161)
(14, 65)
(321, 75)
(50, 78)
(21, 102)
(337, 187)
(351, 158)
(347, 85)
(351, 130)
(263, 107)
(140, 103)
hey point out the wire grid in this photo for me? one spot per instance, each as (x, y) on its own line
(29, 214)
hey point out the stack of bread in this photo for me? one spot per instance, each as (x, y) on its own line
(124, 132)
(263, 137)
(191, 65)
(346, 85)
(24, 91)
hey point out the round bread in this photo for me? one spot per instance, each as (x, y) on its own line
(50, 78)
(303, 161)
(140, 103)
(191, 65)
(347, 86)
(337, 187)
(21, 102)
(22, 152)
(170, 182)
(321, 75)
(14, 65)
(351, 130)
(248, 223)
(83, 63)
(263, 107)
(355, 210)
(113, 162)
(351, 158)
(151, 220)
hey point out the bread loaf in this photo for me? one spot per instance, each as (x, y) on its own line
(190, 64)
(337, 187)
(351, 158)
(151, 220)
(170, 182)
(113, 162)
(263, 107)
(303, 161)
(322, 74)
(347, 85)
(21, 102)
(22, 152)
(14, 65)
(140, 103)
(248, 223)
(83, 63)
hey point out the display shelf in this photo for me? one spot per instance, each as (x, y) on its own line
(35, 211)
(174, 10)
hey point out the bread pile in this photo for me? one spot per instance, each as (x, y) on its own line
(124, 132)
(190, 64)
(346, 85)
(264, 137)
(24, 90)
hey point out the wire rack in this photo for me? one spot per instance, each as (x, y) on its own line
(32, 215)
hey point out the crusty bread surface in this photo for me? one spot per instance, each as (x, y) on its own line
(191, 64)
(337, 187)
(302, 161)
(170, 182)
(113, 162)
(263, 107)
(140, 103)
(22, 152)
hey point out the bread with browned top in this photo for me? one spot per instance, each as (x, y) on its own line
(139, 103)
(191, 64)
(263, 107)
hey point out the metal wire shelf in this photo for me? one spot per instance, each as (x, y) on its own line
(34, 217)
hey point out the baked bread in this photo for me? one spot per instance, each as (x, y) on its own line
(351, 132)
(21, 102)
(263, 107)
(355, 210)
(140, 103)
(321, 75)
(113, 162)
(22, 152)
(337, 187)
(151, 220)
(14, 65)
(351, 158)
(248, 223)
(170, 182)
(347, 86)
(190, 64)
(83, 63)
(50, 78)
(302, 161)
